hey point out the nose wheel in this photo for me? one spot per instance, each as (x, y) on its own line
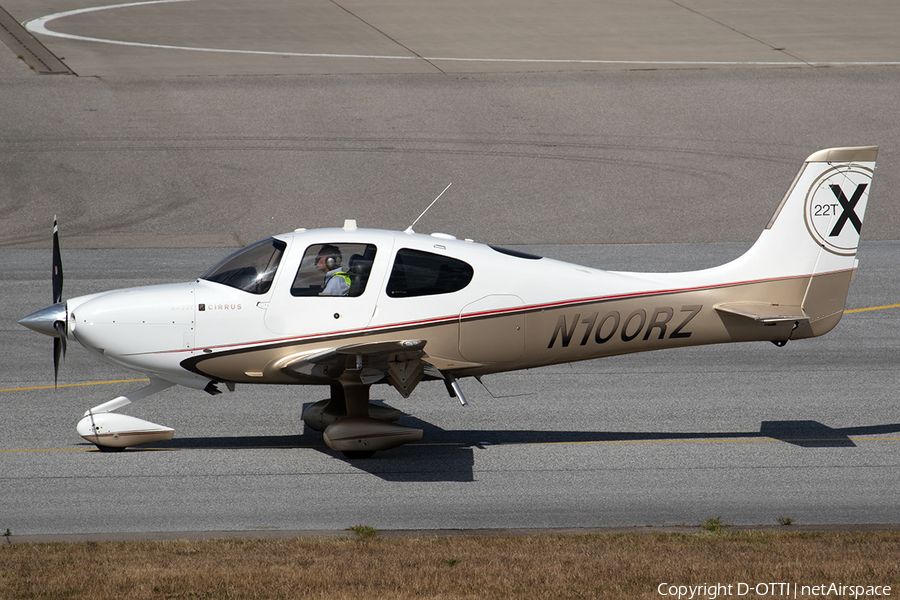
(110, 448)
(113, 432)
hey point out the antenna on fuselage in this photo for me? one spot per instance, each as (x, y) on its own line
(410, 228)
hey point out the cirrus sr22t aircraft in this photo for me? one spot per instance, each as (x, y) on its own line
(406, 307)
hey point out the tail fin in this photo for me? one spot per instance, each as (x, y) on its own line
(814, 235)
(827, 203)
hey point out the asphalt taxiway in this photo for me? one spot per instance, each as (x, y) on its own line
(749, 433)
(653, 135)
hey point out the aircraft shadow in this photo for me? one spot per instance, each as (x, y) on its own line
(806, 434)
(449, 455)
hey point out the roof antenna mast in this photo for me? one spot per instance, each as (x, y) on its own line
(410, 228)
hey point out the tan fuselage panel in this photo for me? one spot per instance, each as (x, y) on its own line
(576, 330)
(684, 318)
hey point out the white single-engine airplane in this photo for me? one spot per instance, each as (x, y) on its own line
(350, 308)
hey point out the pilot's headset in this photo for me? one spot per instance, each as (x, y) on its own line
(332, 256)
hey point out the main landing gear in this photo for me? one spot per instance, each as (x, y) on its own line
(357, 428)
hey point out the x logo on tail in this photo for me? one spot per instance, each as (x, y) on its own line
(849, 207)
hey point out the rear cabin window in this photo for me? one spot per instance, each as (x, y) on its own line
(417, 273)
(351, 263)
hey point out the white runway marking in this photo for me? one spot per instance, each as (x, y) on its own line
(39, 26)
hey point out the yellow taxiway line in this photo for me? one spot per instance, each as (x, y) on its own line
(721, 440)
(64, 385)
(647, 441)
(859, 310)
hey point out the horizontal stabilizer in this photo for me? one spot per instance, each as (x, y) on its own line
(764, 313)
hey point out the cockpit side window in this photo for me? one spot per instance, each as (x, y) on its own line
(251, 269)
(334, 270)
(418, 273)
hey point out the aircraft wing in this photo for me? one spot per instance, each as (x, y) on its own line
(403, 363)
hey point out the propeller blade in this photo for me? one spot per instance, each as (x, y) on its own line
(59, 349)
(60, 327)
(59, 342)
(57, 275)
(58, 346)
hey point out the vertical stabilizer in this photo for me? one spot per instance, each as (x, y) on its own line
(813, 236)
(816, 227)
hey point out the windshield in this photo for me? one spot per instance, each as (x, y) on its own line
(251, 269)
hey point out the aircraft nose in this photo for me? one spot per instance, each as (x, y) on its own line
(44, 320)
(135, 321)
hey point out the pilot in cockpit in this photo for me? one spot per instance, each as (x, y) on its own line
(337, 280)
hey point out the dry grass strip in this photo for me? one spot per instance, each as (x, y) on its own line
(534, 567)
